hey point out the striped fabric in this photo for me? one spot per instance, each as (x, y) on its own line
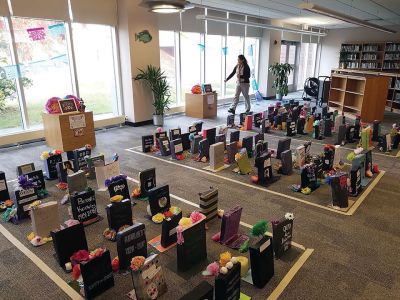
(209, 203)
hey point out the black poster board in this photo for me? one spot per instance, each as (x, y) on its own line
(194, 146)
(174, 134)
(194, 249)
(355, 181)
(328, 127)
(234, 136)
(65, 168)
(308, 176)
(376, 130)
(247, 142)
(258, 137)
(230, 120)
(227, 286)
(340, 196)
(264, 168)
(50, 166)
(67, 241)
(92, 163)
(242, 116)
(97, 275)
(159, 199)
(176, 148)
(158, 135)
(147, 180)
(26, 168)
(350, 134)
(262, 262)
(265, 125)
(185, 141)
(147, 142)
(4, 194)
(168, 230)
(84, 206)
(163, 143)
(204, 149)
(287, 163)
(231, 149)
(282, 233)
(257, 120)
(210, 134)
(199, 126)
(328, 160)
(79, 157)
(131, 242)
(301, 123)
(119, 187)
(203, 291)
(23, 198)
(290, 127)
(119, 214)
(37, 179)
(283, 145)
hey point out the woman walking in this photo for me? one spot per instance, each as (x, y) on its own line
(242, 71)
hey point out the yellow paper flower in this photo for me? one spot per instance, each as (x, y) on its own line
(45, 155)
(174, 210)
(185, 222)
(158, 218)
(224, 258)
(31, 236)
(116, 198)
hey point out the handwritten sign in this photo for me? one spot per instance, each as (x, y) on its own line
(79, 158)
(147, 143)
(67, 106)
(168, 230)
(23, 198)
(282, 236)
(77, 121)
(119, 187)
(131, 242)
(26, 168)
(37, 178)
(147, 179)
(84, 208)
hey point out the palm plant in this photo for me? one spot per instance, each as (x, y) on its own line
(157, 81)
(281, 73)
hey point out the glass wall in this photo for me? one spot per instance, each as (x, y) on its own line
(308, 53)
(251, 47)
(235, 47)
(214, 62)
(168, 61)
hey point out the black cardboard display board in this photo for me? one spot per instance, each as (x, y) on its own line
(168, 230)
(165, 149)
(230, 120)
(194, 146)
(78, 155)
(131, 242)
(282, 233)
(159, 135)
(350, 134)
(227, 286)
(287, 163)
(119, 214)
(221, 138)
(262, 262)
(210, 134)
(264, 168)
(174, 134)
(26, 168)
(231, 149)
(97, 275)
(338, 184)
(119, 187)
(308, 176)
(4, 194)
(185, 141)
(247, 142)
(147, 143)
(147, 180)
(327, 163)
(376, 130)
(37, 179)
(84, 206)
(199, 126)
(204, 149)
(283, 145)
(290, 127)
(242, 116)
(234, 136)
(23, 198)
(355, 181)
(301, 123)
(63, 172)
(258, 137)
(68, 241)
(328, 128)
(257, 120)
(203, 291)
(194, 249)
(159, 199)
(176, 147)
(265, 125)
(50, 166)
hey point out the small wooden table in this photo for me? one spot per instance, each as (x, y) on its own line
(202, 106)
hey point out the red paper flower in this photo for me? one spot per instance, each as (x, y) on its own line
(79, 256)
(76, 272)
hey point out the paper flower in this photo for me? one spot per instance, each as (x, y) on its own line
(136, 192)
(211, 270)
(223, 270)
(52, 106)
(224, 257)
(196, 216)
(244, 247)
(76, 272)
(185, 222)
(25, 183)
(158, 218)
(259, 228)
(196, 89)
(289, 216)
(159, 129)
(79, 256)
(116, 198)
(175, 210)
(168, 214)
(45, 155)
(113, 179)
(96, 253)
(115, 264)
(57, 152)
(137, 262)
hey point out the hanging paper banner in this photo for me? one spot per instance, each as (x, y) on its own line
(57, 29)
(225, 50)
(11, 72)
(202, 47)
(36, 34)
(250, 50)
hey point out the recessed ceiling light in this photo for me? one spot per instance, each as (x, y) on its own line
(166, 6)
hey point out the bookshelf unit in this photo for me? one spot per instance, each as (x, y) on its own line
(363, 95)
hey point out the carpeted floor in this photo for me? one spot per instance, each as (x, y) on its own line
(355, 256)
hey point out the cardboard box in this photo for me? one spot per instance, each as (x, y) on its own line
(201, 105)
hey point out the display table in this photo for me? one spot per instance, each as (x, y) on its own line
(201, 105)
(70, 131)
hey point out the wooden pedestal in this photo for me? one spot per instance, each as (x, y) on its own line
(63, 133)
(201, 105)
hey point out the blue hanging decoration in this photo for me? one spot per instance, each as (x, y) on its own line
(11, 72)
(202, 47)
(250, 51)
(225, 51)
(57, 29)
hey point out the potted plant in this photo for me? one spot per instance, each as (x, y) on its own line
(157, 81)
(281, 73)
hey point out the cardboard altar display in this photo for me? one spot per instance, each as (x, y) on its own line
(92, 163)
(84, 207)
(119, 214)
(338, 184)
(262, 262)
(147, 181)
(217, 155)
(79, 158)
(165, 149)
(341, 135)
(203, 106)
(350, 134)
(168, 230)
(366, 138)
(264, 169)
(67, 132)
(174, 134)
(194, 146)
(159, 200)
(231, 149)
(209, 203)
(282, 235)
(4, 194)
(176, 148)
(287, 164)
(107, 171)
(229, 234)
(23, 198)
(221, 138)
(230, 121)
(227, 286)
(147, 143)
(67, 241)
(50, 166)
(97, 275)
(308, 176)
(193, 250)
(25, 168)
(376, 130)
(45, 218)
(283, 145)
(258, 137)
(131, 242)
(203, 291)
(149, 283)
(158, 135)
(248, 122)
(234, 136)
(77, 182)
(291, 127)
(301, 123)
(360, 161)
(328, 127)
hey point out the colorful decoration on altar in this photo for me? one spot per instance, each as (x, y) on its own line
(225, 51)
(36, 34)
(196, 89)
(56, 29)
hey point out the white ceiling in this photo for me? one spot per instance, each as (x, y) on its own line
(380, 12)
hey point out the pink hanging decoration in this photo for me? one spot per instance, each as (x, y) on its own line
(36, 34)
(179, 235)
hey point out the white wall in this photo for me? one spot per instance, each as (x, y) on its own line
(331, 43)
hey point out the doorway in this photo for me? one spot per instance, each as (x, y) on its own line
(289, 54)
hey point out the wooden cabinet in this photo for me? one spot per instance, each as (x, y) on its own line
(359, 95)
(201, 105)
(70, 131)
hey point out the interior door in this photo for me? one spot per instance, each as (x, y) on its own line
(289, 54)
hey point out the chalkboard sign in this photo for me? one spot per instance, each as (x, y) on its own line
(147, 143)
(147, 180)
(185, 141)
(119, 214)
(79, 157)
(67, 106)
(203, 291)
(176, 148)
(92, 163)
(282, 232)
(37, 179)
(210, 134)
(234, 136)
(194, 248)
(50, 166)
(227, 286)
(257, 119)
(262, 262)
(339, 190)
(67, 241)
(23, 198)
(4, 194)
(174, 134)
(97, 275)
(131, 242)
(26, 168)
(119, 187)
(247, 142)
(159, 199)
(168, 230)
(165, 149)
(283, 145)
(77, 182)
(64, 169)
(84, 208)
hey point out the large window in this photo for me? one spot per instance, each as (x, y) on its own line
(234, 48)
(45, 62)
(168, 61)
(214, 71)
(251, 52)
(94, 56)
(308, 53)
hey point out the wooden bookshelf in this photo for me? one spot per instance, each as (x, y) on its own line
(363, 95)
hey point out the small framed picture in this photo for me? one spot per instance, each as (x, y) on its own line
(207, 88)
(67, 106)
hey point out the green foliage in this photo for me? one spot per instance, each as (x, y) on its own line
(157, 81)
(259, 229)
(244, 247)
(281, 73)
